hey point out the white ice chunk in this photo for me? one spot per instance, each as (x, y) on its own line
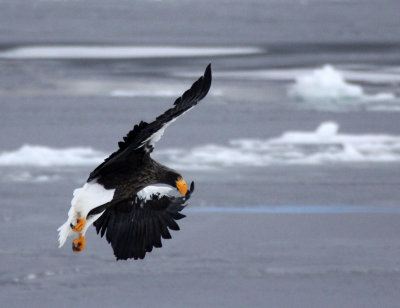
(43, 156)
(323, 145)
(328, 85)
(121, 52)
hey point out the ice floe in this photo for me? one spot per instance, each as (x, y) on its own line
(370, 75)
(144, 93)
(153, 91)
(43, 156)
(325, 145)
(120, 52)
(29, 177)
(328, 85)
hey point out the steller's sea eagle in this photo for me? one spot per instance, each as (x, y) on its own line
(118, 197)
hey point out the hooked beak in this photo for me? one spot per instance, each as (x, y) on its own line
(182, 187)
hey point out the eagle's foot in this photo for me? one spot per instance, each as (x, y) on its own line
(79, 243)
(79, 225)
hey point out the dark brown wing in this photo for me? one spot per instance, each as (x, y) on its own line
(144, 135)
(133, 227)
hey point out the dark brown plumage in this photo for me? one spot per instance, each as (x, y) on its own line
(133, 225)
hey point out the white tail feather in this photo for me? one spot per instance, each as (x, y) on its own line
(63, 232)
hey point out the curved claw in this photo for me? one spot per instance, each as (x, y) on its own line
(79, 225)
(78, 244)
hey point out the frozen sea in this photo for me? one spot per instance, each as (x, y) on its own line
(295, 151)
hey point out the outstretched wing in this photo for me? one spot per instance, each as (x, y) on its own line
(133, 227)
(144, 135)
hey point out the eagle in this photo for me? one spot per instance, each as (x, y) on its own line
(121, 197)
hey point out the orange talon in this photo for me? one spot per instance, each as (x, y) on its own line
(78, 244)
(79, 224)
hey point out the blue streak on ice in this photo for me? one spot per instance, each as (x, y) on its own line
(298, 209)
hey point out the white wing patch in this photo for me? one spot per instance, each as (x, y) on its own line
(86, 198)
(146, 193)
(158, 134)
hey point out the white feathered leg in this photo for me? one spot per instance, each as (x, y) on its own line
(86, 198)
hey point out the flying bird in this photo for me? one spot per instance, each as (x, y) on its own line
(120, 198)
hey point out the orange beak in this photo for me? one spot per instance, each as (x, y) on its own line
(182, 187)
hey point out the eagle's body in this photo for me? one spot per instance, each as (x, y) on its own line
(117, 196)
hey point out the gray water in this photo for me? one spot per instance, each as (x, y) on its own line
(337, 258)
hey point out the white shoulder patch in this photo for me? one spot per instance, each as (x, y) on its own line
(148, 191)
